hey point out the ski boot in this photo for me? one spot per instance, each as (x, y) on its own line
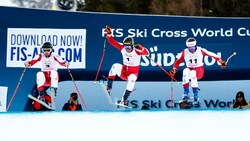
(196, 97)
(185, 95)
(185, 98)
(125, 96)
(41, 95)
(109, 85)
(52, 94)
(124, 103)
(196, 103)
(109, 90)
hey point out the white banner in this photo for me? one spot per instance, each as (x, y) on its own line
(24, 43)
(3, 98)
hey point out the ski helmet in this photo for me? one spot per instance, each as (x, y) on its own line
(47, 45)
(191, 42)
(128, 41)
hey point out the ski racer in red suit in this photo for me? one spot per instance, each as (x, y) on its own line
(193, 56)
(48, 76)
(129, 70)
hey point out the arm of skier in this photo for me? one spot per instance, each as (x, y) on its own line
(177, 63)
(216, 57)
(140, 50)
(36, 59)
(58, 59)
(111, 39)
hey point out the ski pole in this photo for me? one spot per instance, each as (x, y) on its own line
(103, 53)
(77, 88)
(24, 70)
(172, 94)
(230, 57)
(164, 70)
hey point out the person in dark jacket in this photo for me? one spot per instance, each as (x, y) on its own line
(240, 101)
(72, 104)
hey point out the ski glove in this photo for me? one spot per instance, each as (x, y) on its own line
(173, 71)
(223, 64)
(27, 64)
(108, 30)
(139, 47)
(66, 64)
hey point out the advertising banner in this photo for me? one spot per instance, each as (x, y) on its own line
(80, 39)
(3, 98)
(24, 43)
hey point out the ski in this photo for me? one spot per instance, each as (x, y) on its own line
(122, 105)
(185, 104)
(180, 101)
(188, 100)
(39, 101)
(106, 92)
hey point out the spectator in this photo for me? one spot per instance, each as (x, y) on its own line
(72, 104)
(145, 107)
(240, 101)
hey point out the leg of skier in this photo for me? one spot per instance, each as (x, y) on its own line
(185, 82)
(54, 79)
(40, 80)
(53, 88)
(130, 86)
(115, 70)
(194, 85)
(196, 75)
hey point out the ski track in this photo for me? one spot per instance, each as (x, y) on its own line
(181, 125)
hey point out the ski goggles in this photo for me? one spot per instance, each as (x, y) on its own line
(192, 48)
(46, 49)
(128, 47)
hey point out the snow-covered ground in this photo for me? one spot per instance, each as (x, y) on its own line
(176, 125)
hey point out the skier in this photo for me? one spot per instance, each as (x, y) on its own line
(48, 76)
(129, 71)
(193, 56)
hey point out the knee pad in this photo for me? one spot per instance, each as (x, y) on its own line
(193, 78)
(54, 78)
(115, 69)
(193, 74)
(53, 74)
(186, 76)
(40, 79)
(132, 78)
(131, 82)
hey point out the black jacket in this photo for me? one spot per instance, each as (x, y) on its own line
(70, 106)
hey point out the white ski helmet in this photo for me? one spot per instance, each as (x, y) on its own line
(191, 42)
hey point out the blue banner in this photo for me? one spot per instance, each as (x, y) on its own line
(79, 38)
